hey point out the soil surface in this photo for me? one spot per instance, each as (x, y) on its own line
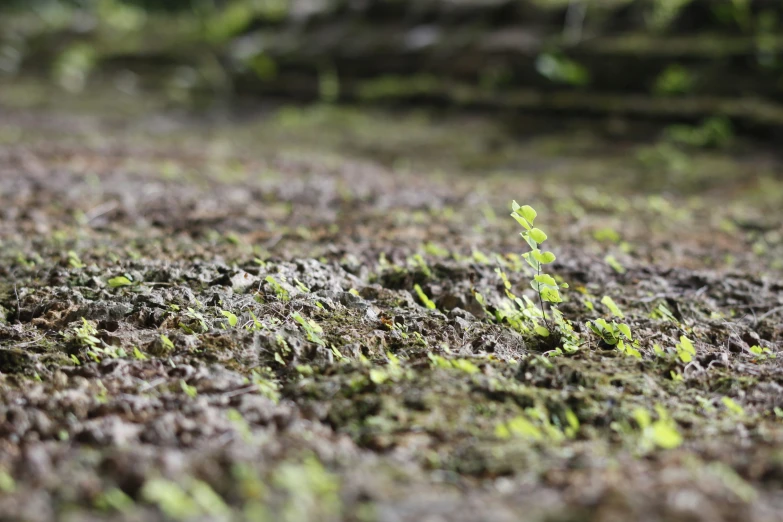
(217, 317)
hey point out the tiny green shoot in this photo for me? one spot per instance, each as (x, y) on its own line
(423, 297)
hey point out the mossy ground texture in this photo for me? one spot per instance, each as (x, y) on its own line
(217, 318)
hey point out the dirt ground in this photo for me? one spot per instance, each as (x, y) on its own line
(216, 317)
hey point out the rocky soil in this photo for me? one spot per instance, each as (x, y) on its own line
(218, 318)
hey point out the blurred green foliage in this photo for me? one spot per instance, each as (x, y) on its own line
(671, 59)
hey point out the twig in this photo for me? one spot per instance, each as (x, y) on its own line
(30, 342)
(18, 305)
(240, 391)
(100, 210)
(769, 313)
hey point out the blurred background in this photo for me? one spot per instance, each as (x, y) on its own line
(712, 64)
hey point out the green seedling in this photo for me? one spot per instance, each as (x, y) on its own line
(615, 264)
(311, 328)
(166, 343)
(506, 283)
(537, 424)
(685, 349)
(607, 234)
(480, 257)
(423, 297)
(74, 261)
(544, 284)
(232, 319)
(628, 349)
(189, 390)
(419, 261)
(198, 317)
(119, 282)
(85, 334)
(610, 333)
(457, 364)
(7, 482)
(661, 433)
(732, 406)
(662, 312)
(278, 289)
(304, 370)
(301, 286)
(420, 339)
(267, 385)
(192, 499)
(612, 306)
(762, 353)
(254, 324)
(434, 250)
(393, 371)
(114, 499)
(240, 424)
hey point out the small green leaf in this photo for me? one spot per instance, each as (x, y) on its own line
(519, 427)
(531, 261)
(665, 435)
(189, 390)
(7, 482)
(685, 349)
(732, 406)
(572, 419)
(546, 279)
(465, 365)
(542, 331)
(625, 330)
(538, 235)
(378, 376)
(529, 240)
(543, 257)
(166, 342)
(232, 319)
(687, 345)
(551, 295)
(528, 213)
(615, 264)
(119, 281)
(522, 221)
(612, 306)
(642, 417)
(423, 297)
